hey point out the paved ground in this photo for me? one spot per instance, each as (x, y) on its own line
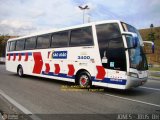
(45, 96)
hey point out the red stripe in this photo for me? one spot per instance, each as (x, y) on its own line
(26, 57)
(48, 54)
(20, 56)
(71, 70)
(47, 68)
(9, 57)
(14, 56)
(101, 72)
(38, 62)
(57, 69)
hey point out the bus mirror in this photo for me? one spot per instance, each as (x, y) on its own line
(132, 39)
(152, 48)
(135, 41)
(149, 46)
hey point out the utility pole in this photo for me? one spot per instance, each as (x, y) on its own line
(152, 33)
(83, 9)
(151, 26)
(89, 19)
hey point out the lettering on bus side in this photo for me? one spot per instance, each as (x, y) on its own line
(83, 57)
(59, 55)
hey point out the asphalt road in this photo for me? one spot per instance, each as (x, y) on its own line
(48, 96)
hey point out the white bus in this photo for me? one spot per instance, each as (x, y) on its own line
(107, 53)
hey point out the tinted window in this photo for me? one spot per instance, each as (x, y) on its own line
(8, 45)
(81, 37)
(105, 32)
(60, 39)
(20, 44)
(116, 54)
(43, 41)
(12, 45)
(30, 43)
(111, 46)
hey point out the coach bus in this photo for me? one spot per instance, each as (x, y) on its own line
(107, 53)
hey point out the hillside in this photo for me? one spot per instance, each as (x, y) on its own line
(152, 58)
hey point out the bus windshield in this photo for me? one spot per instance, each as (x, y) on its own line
(137, 57)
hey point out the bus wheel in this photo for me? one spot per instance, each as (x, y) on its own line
(20, 71)
(84, 79)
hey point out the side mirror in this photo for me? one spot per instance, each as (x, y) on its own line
(135, 41)
(132, 39)
(153, 48)
(152, 45)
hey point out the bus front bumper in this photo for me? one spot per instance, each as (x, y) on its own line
(135, 82)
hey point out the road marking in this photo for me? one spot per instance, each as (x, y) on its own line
(23, 109)
(151, 88)
(19, 106)
(138, 101)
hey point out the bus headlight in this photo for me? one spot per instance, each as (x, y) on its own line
(133, 74)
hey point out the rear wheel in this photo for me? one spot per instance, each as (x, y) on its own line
(20, 71)
(84, 79)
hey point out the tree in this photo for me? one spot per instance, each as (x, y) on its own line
(151, 36)
(3, 41)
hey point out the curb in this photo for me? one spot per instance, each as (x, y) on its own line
(153, 78)
(1, 117)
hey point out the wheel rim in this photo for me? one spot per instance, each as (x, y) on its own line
(84, 80)
(20, 72)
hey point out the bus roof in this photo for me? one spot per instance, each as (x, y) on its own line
(66, 28)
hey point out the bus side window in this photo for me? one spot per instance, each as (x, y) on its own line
(60, 39)
(43, 41)
(30, 43)
(12, 45)
(20, 45)
(8, 46)
(81, 37)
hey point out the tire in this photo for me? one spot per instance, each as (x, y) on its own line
(84, 80)
(20, 71)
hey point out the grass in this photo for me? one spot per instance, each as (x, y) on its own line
(155, 75)
(154, 68)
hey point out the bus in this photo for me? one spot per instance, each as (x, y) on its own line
(106, 53)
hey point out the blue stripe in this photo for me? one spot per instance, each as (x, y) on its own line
(11, 54)
(29, 54)
(23, 54)
(105, 80)
(59, 75)
(111, 81)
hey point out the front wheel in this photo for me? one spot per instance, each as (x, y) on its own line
(84, 79)
(20, 71)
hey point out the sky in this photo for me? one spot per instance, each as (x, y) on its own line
(22, 17)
